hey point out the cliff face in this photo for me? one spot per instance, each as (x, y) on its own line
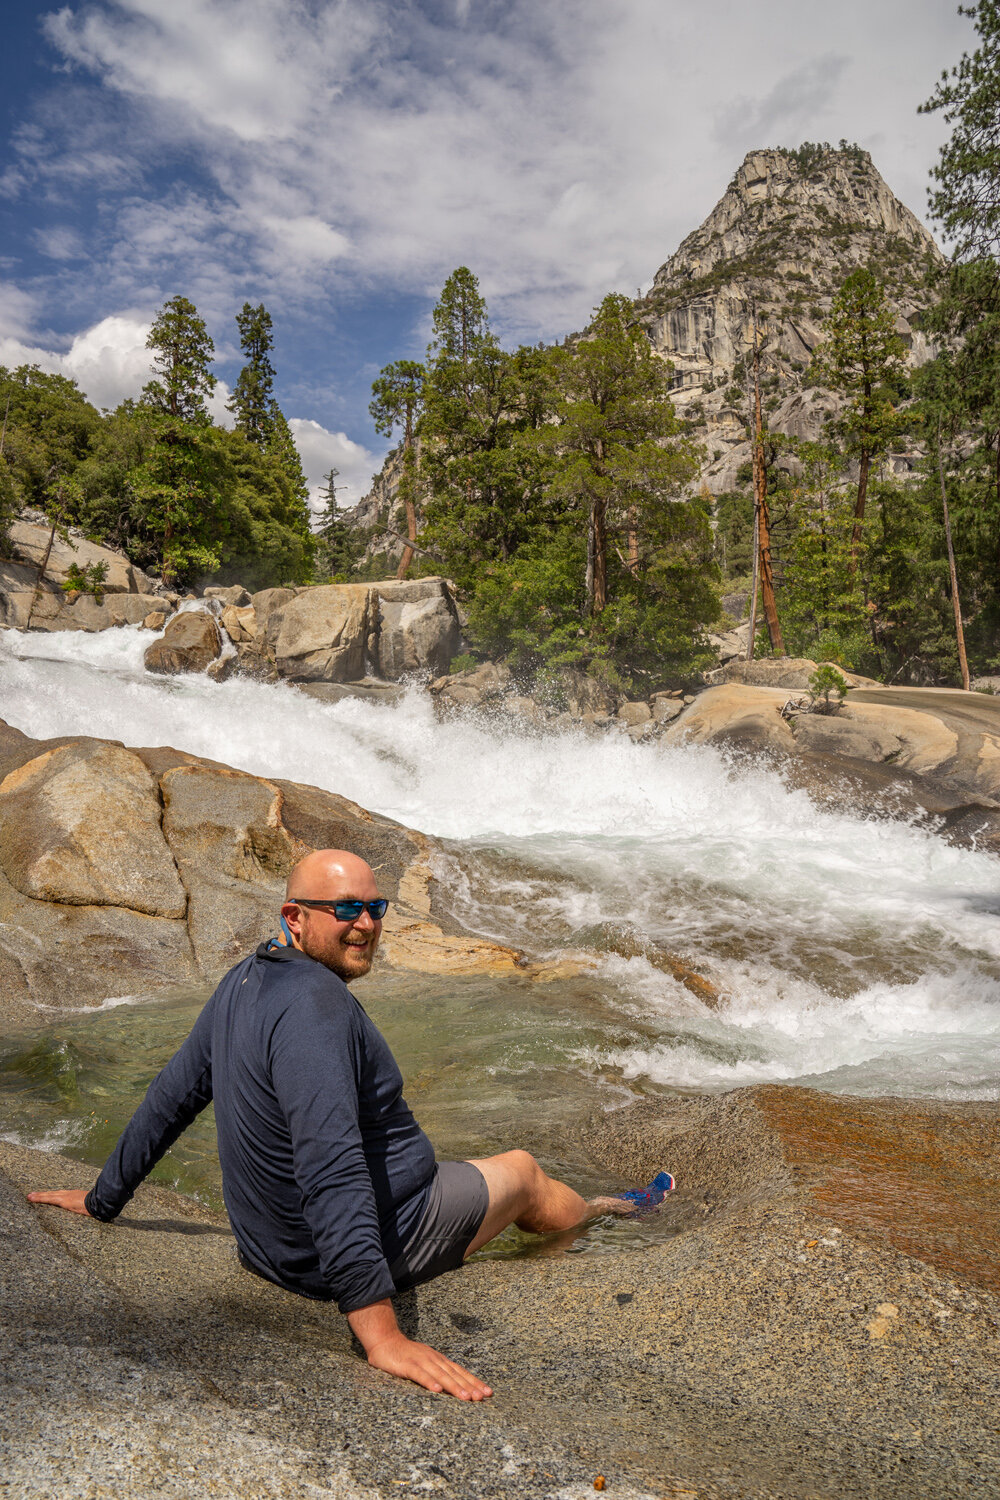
(787, 231)
(378, 510)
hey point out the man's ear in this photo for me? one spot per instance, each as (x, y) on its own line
(292, 914)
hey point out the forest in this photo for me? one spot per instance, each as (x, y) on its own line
(557, 487)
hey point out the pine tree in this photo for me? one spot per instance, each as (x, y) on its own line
(863, 358)
(481, 481)
(182, 353)
(966, 200)
(397, 396)
(821, 600)
(613, 414)
(253, 394)
(340, 545)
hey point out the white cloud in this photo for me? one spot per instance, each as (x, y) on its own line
(312, 151)
(556, 149)
(109, 362)
(306, 240)
(322, 450)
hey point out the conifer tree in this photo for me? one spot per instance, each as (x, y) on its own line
(182, 354)
(966, 198)
(340, 545)
(613, 414)
(253, 394)
(480, 481)
(863, 358)
(175, 487)
(396, 401)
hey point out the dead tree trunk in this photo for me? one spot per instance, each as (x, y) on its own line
(963, 660)
(763, 526)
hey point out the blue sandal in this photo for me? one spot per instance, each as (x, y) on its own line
(647, 1198)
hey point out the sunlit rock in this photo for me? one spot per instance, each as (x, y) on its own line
(80, 825)
(190, 641)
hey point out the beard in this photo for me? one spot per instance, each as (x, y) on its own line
(342, 953)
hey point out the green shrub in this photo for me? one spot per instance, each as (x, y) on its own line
(824, 681)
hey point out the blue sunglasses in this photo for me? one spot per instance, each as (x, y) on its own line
(349, 911)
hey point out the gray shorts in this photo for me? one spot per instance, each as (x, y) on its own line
(455, 1209)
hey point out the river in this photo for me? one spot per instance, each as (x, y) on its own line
(852, 954)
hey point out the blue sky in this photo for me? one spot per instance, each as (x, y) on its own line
(336, 159)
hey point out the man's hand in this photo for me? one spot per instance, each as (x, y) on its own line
(424, 1365)
(389, 1349)
(69, 1198)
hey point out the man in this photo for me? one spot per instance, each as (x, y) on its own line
(331, 1187)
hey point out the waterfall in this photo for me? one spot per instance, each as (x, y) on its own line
(853, 953)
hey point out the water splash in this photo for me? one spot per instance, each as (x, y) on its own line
(855, 953)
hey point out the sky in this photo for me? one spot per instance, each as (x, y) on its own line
(337, 159)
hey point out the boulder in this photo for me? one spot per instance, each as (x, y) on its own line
(234, 596)
(240, 622)
(459, 694)
(29, 542)
(81, 830)
(782, 672)
(927, 743)
(223, 667)
(322, 634)
(265, 602)
(255, 663)
(731, 644)
(483, 684)
(829, 734)
(635, 713)
(585, 695)
(80, 825)
(190, 641)
(18, 583)
(417, 627)
(234, 854)
(54, 954)
(666, 707)
(736, 713)
(155, 620)
(115, 609)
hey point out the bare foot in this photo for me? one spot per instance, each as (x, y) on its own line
(619, 1206)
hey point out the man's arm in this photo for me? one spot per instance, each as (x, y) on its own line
(175, 1096)
(388, 1348)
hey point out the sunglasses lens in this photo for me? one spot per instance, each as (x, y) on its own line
(348, 911)
(378, 908)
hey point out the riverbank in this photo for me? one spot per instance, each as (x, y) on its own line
(823, 1324)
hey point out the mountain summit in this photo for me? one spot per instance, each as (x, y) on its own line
(787, 231)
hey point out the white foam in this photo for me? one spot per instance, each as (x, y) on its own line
(840, 943)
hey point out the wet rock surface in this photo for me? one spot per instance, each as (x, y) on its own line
(135, 871)
(805, 1333)
(902, 748)
(189, 643)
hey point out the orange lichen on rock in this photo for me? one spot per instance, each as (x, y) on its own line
(923, 1176)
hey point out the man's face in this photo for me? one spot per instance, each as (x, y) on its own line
(347, 948)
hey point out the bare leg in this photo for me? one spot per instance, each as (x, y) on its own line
(522, 1194)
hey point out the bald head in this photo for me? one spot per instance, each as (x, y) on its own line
(333, 873)
(329, 875)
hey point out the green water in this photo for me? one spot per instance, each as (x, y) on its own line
(488, 1065)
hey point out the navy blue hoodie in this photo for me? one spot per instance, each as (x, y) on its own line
(325, 1171)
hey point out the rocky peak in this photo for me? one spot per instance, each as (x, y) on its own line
(787, 231)
(781, 202)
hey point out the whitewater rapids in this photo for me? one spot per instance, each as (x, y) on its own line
(852, 954)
